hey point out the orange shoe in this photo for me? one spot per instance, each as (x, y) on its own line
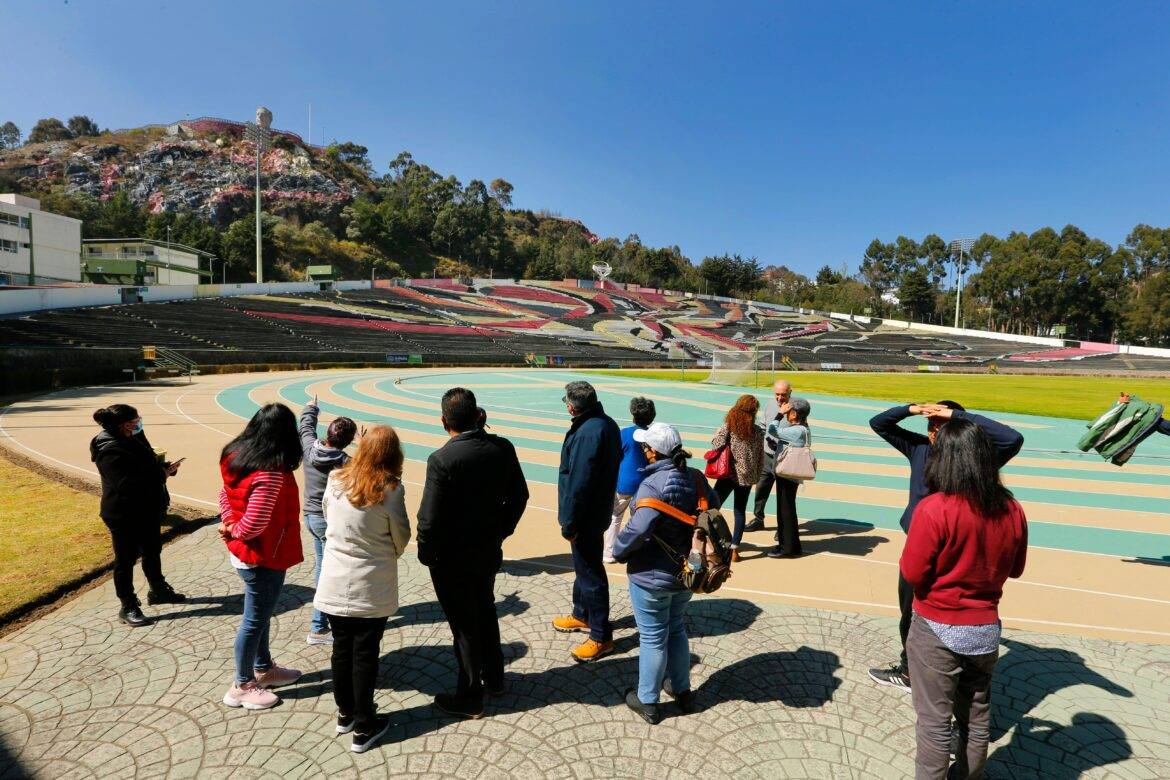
(735, 555)
(591, 650)
(567, 624)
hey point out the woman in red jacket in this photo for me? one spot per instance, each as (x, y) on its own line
(965, 540)
(260, 509)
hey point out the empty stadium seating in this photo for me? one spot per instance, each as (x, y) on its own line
(445, 321)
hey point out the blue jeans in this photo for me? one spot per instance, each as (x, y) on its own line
(316, 526)
(261, 591)
(662, 640)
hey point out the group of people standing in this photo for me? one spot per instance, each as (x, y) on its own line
(965, 536)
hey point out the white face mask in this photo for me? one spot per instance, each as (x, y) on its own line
(137, 429)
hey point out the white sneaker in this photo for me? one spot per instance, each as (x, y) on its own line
(609, 559)
(320, 638)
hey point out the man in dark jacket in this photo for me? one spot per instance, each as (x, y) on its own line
(474, 496)
(590, 458)
(917, 447)
(321, 457)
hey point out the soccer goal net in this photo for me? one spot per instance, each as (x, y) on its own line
(742, 367)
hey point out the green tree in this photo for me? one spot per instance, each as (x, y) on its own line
(117, 217)
(49, 129)
(81, 126)
(1147, 318)
(9, 135)
(916, 294)
(238, 249)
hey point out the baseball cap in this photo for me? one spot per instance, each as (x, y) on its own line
(660, 437)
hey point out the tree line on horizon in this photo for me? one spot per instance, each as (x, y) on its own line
(414, 221)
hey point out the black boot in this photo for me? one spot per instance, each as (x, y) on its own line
(648, 712)
(131, 614)
(164, 594)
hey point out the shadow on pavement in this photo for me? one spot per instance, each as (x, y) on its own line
(1025, 676)
(292, 597)
(796, 678)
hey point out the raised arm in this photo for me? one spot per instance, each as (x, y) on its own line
(886, 425)
(1007, 441)
(308, 426)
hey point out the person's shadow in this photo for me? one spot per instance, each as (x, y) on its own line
(1026, 674)
(1043, 748)
(796, 678)
(292, 597)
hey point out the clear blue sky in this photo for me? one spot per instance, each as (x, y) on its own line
(792, 132)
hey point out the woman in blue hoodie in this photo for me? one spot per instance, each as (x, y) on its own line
(658, 597)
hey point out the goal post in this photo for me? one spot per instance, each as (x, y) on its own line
(742, 367)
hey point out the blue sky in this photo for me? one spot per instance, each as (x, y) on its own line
(791, 132)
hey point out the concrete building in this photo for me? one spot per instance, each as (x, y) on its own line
(144, 261)
(33, 241)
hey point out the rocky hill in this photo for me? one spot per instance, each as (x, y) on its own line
(205, 166)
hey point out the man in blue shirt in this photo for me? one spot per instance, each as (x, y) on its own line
(630, 471)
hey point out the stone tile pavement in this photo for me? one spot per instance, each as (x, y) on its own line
(784, 690)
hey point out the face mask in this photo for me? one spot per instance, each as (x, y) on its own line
(137, 428)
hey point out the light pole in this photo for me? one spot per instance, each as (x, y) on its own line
(259, 133)
(960, 245)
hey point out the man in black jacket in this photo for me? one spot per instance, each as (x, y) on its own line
(473, 498)
(590, 457)
(916, 447)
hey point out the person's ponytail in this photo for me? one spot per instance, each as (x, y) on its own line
(679, 458)
(112, 417)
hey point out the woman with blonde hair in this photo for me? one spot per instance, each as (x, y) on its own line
(740, 433)
(366, 531)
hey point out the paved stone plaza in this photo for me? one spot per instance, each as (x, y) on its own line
(784, 690)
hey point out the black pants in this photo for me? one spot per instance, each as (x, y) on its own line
(467, 595)
(763, 490)
(356, 649)
(788, 531)
(906, 605)
(130, 541)
(591, 586)
(724, 488)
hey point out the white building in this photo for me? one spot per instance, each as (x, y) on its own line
(143, 261)
(38, 242)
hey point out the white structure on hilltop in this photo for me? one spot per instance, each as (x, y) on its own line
(38, 242)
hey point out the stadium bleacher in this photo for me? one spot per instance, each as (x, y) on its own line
(445, 321)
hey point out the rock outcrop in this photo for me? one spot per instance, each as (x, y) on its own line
(206, 169)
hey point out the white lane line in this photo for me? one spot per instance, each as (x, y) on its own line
(872, 604)
(1025, 582)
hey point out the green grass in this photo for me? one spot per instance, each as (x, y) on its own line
(50, 534)
(1075, 397)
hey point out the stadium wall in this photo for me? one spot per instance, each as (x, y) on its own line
(47, 298)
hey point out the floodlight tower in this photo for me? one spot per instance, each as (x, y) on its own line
(259, 133)
(960, 245)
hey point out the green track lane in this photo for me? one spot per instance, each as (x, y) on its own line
(525, 397)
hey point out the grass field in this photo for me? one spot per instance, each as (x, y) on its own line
(1076, 397)
(50, 534)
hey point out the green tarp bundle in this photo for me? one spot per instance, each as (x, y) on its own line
(1116, 433)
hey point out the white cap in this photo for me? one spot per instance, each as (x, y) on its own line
(660, 437)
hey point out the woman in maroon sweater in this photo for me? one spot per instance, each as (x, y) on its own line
(965, 540)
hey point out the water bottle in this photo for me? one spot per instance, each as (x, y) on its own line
(695, 561)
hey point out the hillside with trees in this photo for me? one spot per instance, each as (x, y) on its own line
(332, 205)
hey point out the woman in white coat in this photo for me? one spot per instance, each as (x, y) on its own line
(366, 531)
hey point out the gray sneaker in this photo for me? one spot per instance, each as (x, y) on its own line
(320, 637)
(895, 677)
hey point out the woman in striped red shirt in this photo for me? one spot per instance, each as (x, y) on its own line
(260, 509)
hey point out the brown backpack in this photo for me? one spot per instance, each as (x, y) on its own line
(710, 566)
